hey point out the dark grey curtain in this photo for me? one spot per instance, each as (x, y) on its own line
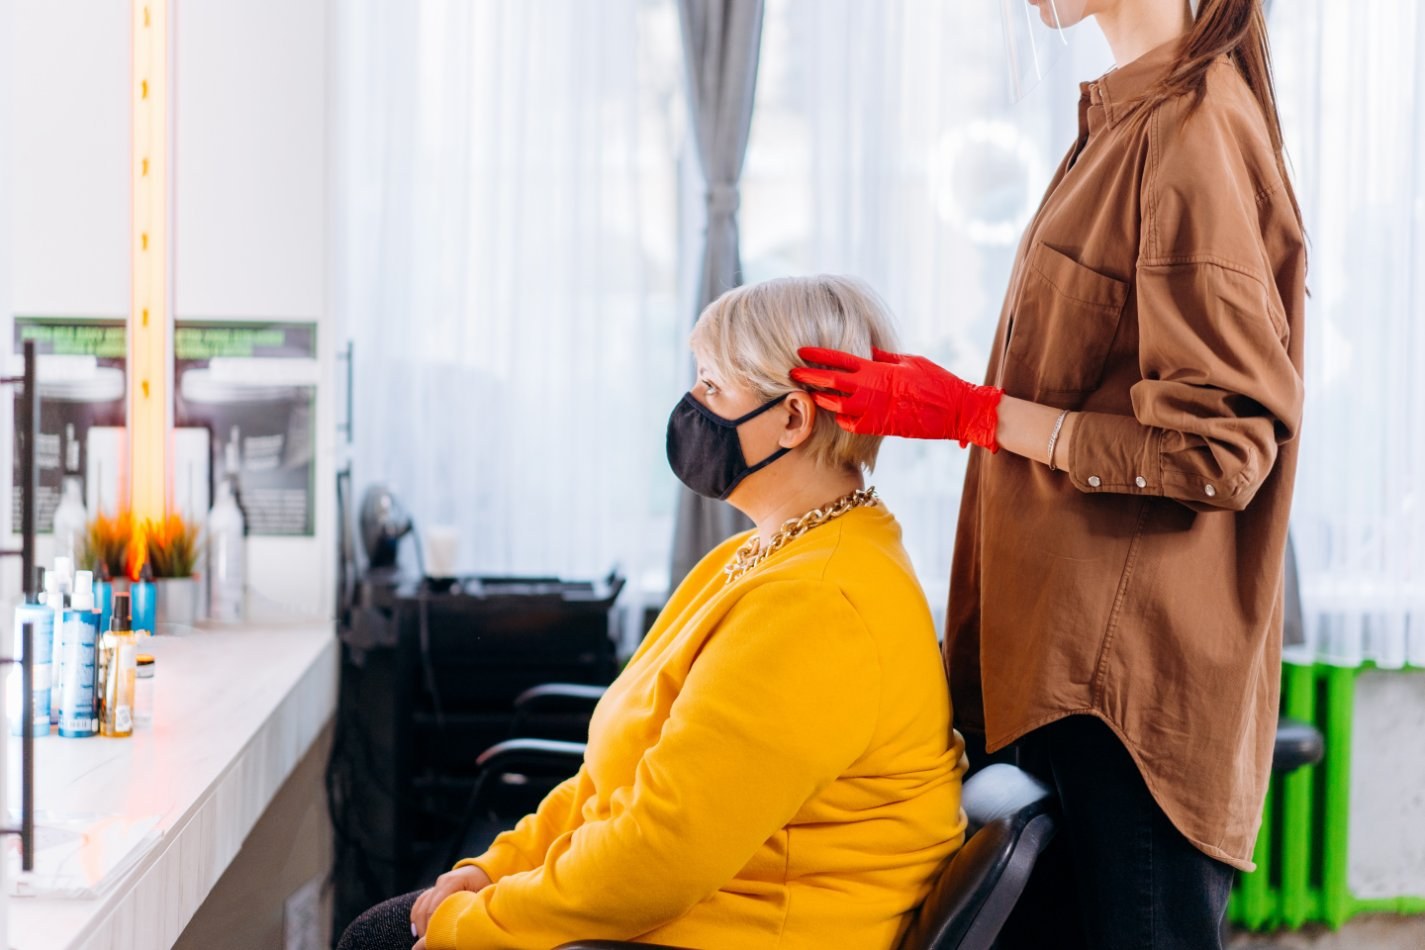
(721, 41)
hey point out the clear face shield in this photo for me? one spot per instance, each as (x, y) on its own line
(1034, 38)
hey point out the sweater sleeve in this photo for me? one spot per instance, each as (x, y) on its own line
(525, 845)
(781, 701)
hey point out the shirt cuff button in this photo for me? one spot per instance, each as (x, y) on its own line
(1141, 482)
(1209, 490)
(1095, 481)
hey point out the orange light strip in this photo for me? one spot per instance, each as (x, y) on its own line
(149, 364)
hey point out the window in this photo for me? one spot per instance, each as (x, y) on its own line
(884, 145)
(506, 261)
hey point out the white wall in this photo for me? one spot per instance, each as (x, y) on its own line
(250, 214)
(64, 241)
(9, 574)
(1387, 837)
(69, 100)
(249, 192)
(250, 102)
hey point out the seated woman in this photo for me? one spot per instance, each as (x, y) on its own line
(775, 767)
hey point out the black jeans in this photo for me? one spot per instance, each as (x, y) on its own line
(387, 926)
(1118, 875)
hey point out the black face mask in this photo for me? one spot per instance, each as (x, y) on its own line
(704, 451)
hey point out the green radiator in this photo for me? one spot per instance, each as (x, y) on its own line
(1301, 851)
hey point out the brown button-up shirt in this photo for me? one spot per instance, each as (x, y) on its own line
(1158, 293)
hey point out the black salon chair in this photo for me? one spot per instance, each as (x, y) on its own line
(1011, 821)
(1298, 743)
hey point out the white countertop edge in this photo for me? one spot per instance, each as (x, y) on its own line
(152, 905)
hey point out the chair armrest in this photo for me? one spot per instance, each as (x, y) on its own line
(511, 757)
(527, 753)
(560, 696)
(974, 894)
(1012, 819)
(1297, 744)
(999, 790)
(554, 702)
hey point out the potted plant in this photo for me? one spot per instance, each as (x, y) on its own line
(109, 544)
(171, 551)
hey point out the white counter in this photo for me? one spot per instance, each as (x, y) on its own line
(236, 710)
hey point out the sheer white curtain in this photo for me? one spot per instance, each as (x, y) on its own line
(508, 217)
(1352, 88)
(884, 145)
(505, 257)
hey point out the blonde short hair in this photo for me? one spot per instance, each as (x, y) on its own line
(751, 334)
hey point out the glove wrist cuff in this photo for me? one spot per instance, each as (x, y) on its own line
(982, 417)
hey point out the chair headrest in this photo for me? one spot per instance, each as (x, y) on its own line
(1000, 791)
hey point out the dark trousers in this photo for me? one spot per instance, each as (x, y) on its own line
(387, 926)
(1118, 875)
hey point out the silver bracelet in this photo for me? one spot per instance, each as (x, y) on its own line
(1054, 438)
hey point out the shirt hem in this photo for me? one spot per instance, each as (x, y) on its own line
(1000, 740)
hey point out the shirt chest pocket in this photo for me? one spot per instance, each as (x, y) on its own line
(1064, 326)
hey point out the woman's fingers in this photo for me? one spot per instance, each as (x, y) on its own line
(420, 914)
(420, 944)
(854, 405)
(822, 379)
(468, 878)
(427, 904)
(836, 359)
(885, 356)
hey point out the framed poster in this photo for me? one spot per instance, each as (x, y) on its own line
(83, 411)
(253, 387)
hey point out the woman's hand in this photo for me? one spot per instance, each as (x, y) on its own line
(469, 878)
(900, 395)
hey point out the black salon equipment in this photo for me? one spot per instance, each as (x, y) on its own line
(428, 680)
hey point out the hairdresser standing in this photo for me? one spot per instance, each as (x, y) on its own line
(1116, 596)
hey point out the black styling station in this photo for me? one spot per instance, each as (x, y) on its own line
(430, 669)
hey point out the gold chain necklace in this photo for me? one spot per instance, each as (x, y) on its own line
(752, 553)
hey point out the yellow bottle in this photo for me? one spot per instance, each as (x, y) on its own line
(117, 668)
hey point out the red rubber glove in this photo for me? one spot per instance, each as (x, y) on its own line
(900, 395)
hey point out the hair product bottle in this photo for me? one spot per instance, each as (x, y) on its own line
(38, 613)
(103, 592)
(71, 521)
(225, 556)
(118, 666)
(144, 600)
(77, 711)
(143, 690)
(57, 587)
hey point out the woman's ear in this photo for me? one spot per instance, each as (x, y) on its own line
(801, 419)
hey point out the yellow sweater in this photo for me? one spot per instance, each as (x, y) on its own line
(774, 768)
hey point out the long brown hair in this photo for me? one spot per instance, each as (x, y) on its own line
(1237, 28)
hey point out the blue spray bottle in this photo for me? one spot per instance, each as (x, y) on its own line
(144, 599)
(78, 711)
(58, 584)
(103, 593)
(36, 612)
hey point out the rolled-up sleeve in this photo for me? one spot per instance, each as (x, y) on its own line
(1219, 393)
(1219, 390)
